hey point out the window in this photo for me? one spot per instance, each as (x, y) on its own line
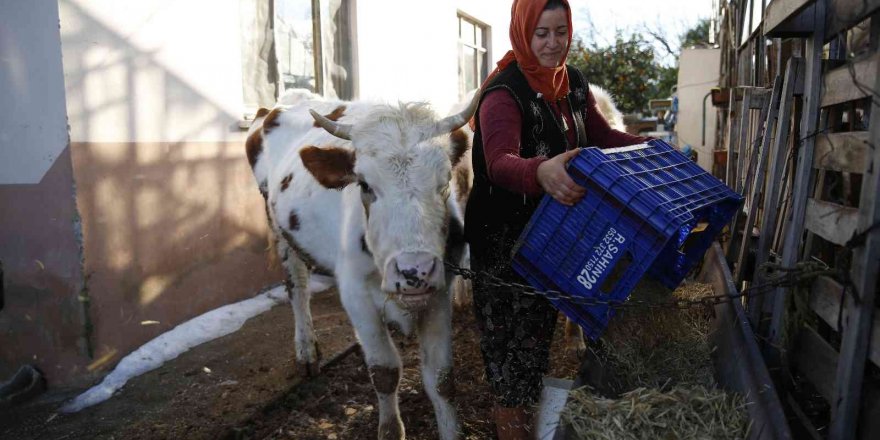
(473, 57)
(279, 50)
(322, 65)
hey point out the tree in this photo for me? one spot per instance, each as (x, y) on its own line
(628, 69)
(697, 35)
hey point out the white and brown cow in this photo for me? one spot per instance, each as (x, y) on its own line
(362, 192)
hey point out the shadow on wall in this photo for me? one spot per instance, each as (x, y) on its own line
(171, 229)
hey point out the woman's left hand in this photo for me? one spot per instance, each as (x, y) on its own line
(556, 181)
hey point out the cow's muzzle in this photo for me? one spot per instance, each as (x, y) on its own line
(413, 277)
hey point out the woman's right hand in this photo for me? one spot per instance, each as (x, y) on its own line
(556, 181)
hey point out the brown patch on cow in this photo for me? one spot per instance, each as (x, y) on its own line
(390, 430)
(461, 180)
(364, 246)
(285, 183)
(333, 116)
(332, 167)
(253, 147)
(293, 221)
(446, 383)
(384, 379)
(460, 144)
(261, 112)
(309, 261)
(289, 285)
(395, 329)
(271, 120)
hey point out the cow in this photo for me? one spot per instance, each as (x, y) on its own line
(361, 192)
(608, 108)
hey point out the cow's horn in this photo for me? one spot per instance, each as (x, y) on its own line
(453, 122)
(342, 131)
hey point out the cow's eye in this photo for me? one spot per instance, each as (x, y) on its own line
(367, 194)
(444, 191)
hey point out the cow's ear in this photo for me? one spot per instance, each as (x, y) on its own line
(332, 167)
(459, 144)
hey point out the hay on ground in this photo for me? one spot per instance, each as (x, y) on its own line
(659, 347)
(691, 412)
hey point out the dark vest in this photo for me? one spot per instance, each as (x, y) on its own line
(495, 217)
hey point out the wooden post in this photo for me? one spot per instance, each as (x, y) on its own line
(760, 100)
(741, 143)
(777, 162)
(732, 124)
(801, 183)
(756, 177)
(859, 304)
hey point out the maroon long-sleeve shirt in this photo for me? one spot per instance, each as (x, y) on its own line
(501, 126)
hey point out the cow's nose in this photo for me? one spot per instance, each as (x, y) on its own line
(413, 273)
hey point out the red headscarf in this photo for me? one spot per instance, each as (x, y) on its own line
(551, 82)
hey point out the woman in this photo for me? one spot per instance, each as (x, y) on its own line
(534, 114)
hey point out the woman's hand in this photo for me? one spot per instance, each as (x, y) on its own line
(556, 181)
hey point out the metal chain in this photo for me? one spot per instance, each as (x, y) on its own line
(776, 276)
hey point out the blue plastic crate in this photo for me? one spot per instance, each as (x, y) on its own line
(648, 209)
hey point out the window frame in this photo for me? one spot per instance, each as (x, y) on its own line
(482, 50)
(321, 72)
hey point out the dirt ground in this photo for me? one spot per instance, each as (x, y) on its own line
(182, 399)
(244, 386)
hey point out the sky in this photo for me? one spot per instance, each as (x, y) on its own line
(600, 18)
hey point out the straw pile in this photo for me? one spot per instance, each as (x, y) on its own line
(655, 376)
(680, 413)
(655, 348)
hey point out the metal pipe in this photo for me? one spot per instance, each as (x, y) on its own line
(704, 118)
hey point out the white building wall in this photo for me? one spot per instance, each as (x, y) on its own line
(698, 72)
(408, 50)
(159, 71)
(33, 125)
(150, 70)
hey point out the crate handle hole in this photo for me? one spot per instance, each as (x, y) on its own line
(694, 237)
(617, 273)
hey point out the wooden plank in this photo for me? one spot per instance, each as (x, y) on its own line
(846, 152)
(825, 295)
(833, 222)
(759, 97)
(794, 70)
(738, 362)
(770, 121)
(801, 417)
(801, 182)
(736, 120)
(817, 360)
(781, 17)
(839, 87)
(859, 307)
(817, 194)
(793, 18)
(743, 140)
(844, 14)
(743, 175)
